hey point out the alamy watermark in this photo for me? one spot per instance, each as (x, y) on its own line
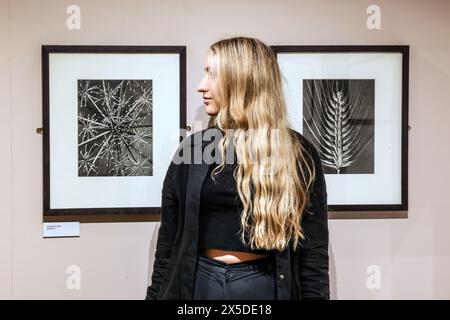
(204, 148)
(73, 281)
(73, 21)
(373, 21)
(373, 281)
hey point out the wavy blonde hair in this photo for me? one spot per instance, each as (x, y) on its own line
(274, 171)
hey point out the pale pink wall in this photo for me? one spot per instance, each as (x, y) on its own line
(115, 259)
(5, 158)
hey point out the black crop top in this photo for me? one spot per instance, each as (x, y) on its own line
(220, 208)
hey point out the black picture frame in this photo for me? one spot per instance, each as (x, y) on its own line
(101, 214)
(370, 210)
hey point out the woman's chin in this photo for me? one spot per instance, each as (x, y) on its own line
(210, 110)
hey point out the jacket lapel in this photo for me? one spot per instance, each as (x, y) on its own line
(196, 176)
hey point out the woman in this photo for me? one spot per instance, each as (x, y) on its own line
(254, 227)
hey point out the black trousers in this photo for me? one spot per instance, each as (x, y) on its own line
(251, 280)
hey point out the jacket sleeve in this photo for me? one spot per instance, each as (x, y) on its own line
(314, 264)
(166, 234)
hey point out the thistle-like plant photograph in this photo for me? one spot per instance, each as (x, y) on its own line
(115, 128)
(338, 118)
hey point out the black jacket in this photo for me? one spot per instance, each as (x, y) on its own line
(301, 274)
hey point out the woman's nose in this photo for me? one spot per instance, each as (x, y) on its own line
(203, 85)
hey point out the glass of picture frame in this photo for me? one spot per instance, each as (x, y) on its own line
(351, 103)
(111, 117)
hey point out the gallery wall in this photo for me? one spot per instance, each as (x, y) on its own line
(115, 259)
(5, 159)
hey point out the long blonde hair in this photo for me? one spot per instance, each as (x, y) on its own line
(274, 193)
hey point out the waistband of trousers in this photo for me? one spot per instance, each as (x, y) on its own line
(255, 264)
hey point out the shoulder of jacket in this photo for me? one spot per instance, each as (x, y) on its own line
(308, 145)
(301, 138)
(197, 137)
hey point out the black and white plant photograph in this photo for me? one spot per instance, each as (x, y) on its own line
(338, 118)
(115, 127)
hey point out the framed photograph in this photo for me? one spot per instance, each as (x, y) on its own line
(112, 115)
(351, 102)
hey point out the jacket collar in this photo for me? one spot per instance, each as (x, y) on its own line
(206, 136)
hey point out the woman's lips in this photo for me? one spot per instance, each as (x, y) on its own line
(206, 100)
